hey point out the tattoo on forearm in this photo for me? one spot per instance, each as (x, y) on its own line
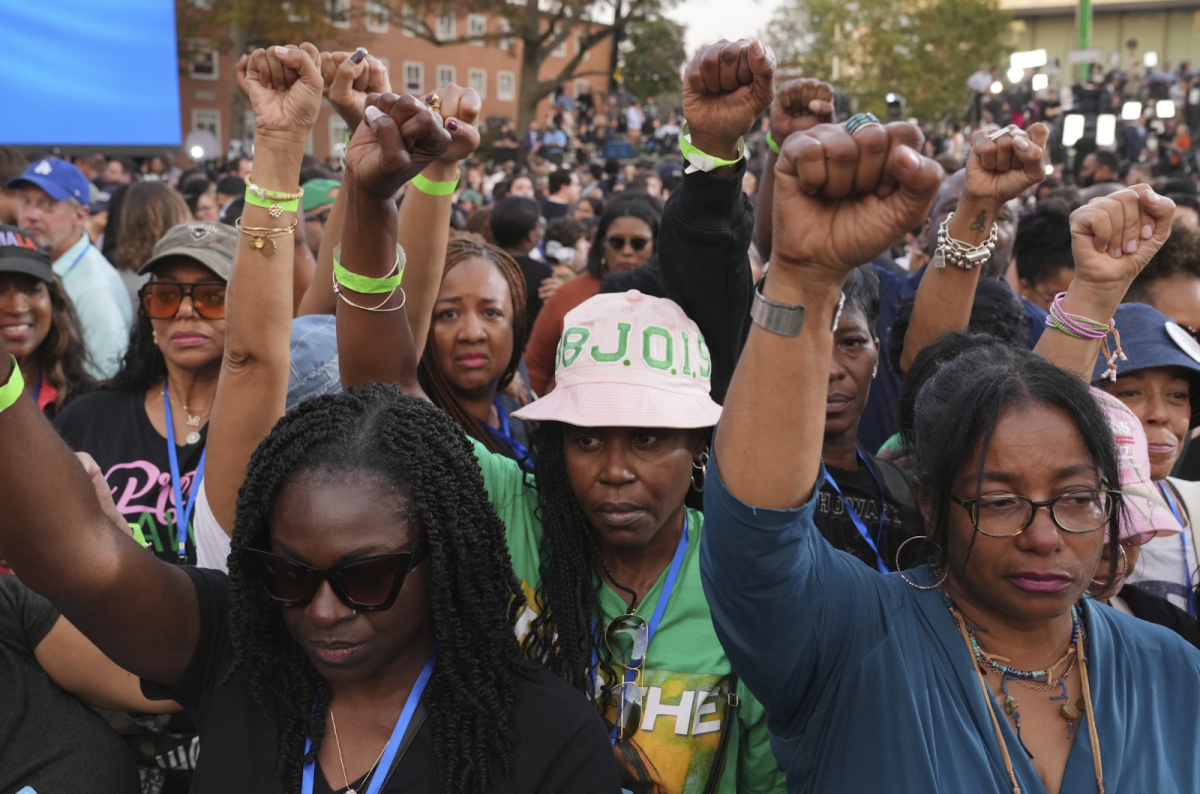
(980, 224)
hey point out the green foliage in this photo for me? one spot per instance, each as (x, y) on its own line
(247, 24)
(652, 57)
(922, 49)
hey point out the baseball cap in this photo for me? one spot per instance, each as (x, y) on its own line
(20, 253)
(629, 360)
(1149, 339)
(61, 180)
(471, 195)
(1146, 512)
(210, 244)
(316, 193)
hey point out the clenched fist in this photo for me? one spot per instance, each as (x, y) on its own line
(284, 86)
(800, 105)
(401, 136)
(726, 87)
(1002, 168)
(1114, 237)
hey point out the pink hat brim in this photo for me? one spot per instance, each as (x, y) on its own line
(622, 405)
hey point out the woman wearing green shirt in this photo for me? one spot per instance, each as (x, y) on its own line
(604, 544)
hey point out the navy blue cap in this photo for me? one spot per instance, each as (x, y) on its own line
(1149, 339)
(61, 180)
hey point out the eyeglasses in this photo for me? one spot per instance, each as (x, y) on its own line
(1005, 515)
(627, 638)
(370, 584)
(161, 299)
(617, 243)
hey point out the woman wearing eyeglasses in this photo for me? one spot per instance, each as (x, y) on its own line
(624, 241)
(147, 428)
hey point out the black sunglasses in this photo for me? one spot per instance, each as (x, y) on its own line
(161, 299)
(617, 243)
(370, 584)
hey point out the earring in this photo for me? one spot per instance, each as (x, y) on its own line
(698, 468)
(910, 582)
(874, 371)
(154, 336)
(1124, 570)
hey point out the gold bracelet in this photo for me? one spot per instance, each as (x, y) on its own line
(262, 238)
(271, 195)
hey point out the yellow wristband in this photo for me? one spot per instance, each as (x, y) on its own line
(771, 142)
(431, 188)
(276, 206)
(10, 391)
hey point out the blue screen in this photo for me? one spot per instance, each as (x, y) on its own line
(81, 72)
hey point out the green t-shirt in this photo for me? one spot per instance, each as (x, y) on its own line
(686, 669)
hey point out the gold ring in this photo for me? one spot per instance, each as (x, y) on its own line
(434, 101)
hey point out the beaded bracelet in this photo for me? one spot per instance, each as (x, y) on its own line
(1081, 327)
(277, 203)
(431, 188)
(10, 391)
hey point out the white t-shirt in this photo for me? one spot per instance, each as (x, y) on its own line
(212, 544)
(1168, 563)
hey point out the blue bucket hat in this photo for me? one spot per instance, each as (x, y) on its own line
(1149, 339)
(314, 366)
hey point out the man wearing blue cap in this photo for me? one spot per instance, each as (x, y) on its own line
(53, 206)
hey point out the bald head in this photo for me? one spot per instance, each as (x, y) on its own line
(946, 201)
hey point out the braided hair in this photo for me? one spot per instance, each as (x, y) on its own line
(473, 590)
(435, 383)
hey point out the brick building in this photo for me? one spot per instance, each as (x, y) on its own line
(415, 65)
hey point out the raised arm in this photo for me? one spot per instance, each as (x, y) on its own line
(252, 390)
(401, 136)
(705, 233)
(1112, 240)
(997, 172)
(799, 105)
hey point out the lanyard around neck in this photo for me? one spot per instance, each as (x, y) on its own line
(393, 745)
(505, 434)
(71, 266)
(859, 524)
(183, 513)
(1190, 596)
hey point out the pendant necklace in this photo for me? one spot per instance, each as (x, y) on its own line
(193, 420)
(338, 741)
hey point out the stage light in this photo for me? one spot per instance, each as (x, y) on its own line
(1040, 82)
(1131, 111)
(1106, 129)
(1164, 109)
(997, 87)
(1072, 129)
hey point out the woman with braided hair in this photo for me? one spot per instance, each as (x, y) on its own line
(368, 578)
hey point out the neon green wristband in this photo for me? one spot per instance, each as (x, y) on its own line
(700, 161)
(431, 188)
(771, 143)
(10, 391)
(365, 284)
(287, 205)
(136, 529)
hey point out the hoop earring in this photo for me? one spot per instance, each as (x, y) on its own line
(910, 582)
(698, 467)
(1124, 570)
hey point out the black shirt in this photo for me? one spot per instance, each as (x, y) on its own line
(901, 522)
(112, 427)
(48, 739)
(562, 743)
(552, 210)
(535, 272)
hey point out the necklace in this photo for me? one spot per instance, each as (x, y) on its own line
(193, 420)
(338, 741)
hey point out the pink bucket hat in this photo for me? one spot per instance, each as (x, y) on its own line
(1146, 510)
(629, 360)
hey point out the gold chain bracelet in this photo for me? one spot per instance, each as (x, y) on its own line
(262, 238)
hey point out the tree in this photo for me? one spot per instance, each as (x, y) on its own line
(535, 28)
(240, 26)
(922, 49)
(652, 57)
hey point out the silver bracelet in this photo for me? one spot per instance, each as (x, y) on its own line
(958, 253)
(778, 318)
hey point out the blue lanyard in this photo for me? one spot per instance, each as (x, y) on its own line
(1187, 568)
(659, 608)
(181, 520)
(859, 524)
(71, 266)
(505, 434)
(393, 745)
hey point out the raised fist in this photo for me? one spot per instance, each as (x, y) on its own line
(349, 78)
(726, 87)
(800, 105)
(284, 86)
(400, 137)
(459, 111)
(1003, 168)
(842, 199)
(1114, 237)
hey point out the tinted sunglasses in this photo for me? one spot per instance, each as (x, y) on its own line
(628, 638)
(370, 584)
(617, 243)
(161, 299)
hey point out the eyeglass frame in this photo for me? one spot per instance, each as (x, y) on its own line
(186, 289)
(967, 504)
(415, 553)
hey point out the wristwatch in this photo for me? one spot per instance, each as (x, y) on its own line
(778, 318)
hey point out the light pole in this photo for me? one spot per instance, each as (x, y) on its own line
(1085, 36)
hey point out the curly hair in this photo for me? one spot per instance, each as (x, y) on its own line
(143, 365)
(473, 590)
(63, 353)
(434, 381)
(1179, 256)
(149, 209)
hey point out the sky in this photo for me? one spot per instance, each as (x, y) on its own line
(709, 21)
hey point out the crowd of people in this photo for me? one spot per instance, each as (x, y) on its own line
(801, 435)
